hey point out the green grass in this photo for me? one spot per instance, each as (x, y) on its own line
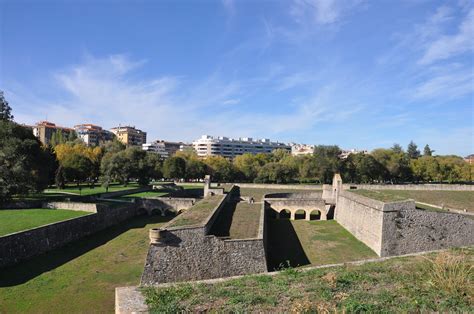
(23, 219)
(82, 276)
(258, 194)
(238, 220)
(304, 243)
(198, 213)
(452, 199)
(98, 189)
(397, 285)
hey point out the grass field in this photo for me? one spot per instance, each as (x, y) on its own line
(81, 277)
(23, 219)
(198, 212)
(238, 220)
(410, 284)
(84, 189)
(451, 199)
(300, 243)
(258, 194)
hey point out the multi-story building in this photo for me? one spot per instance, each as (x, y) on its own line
(163, 148)
(229, 148)
(469, 159)
(301, 149)
(93, 135)
(345, 153)
(44, 131)
(129, 135)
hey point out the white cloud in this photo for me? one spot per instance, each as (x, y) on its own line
(447, 46)
(322, 11)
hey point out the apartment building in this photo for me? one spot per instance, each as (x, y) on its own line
(129, 135)
(44, 130)
(164, 148)
(93, 135)
(227, 147)
(301, 149)
(345, 153)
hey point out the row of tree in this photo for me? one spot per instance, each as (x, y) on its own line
(26, 166)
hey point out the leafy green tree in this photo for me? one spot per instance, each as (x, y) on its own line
(174, 168)
(412, 150)
(397, 164)
(327, 161)
(397, 148)
(275, 172)
(59, 178)
(77, 168)
(248, 165)
(308, 169)
(72, 136)
(195, 169)
(24, 163)
(5, 109)
(221, 168)
(427, 151)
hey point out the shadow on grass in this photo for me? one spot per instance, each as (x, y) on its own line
(27, 270)
(221, 227)
(284, 247)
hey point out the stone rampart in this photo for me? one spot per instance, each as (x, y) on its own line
(413, 230)
(280, 186)
(26, 244)
(399, 228)
(164, 204)
(86, 207)
(190, 253)
(419, 187)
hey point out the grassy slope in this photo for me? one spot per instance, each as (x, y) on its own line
(198, 212)
(397, 285)
(86, 190)
(301, 243)
(81, 277)
(451, 199)
(245, 221)
(258, 194)
(24, 219)
(146, 194)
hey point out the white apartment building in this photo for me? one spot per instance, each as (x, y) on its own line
(301, 149)
(345, 153)
(163, 148)
(227, 147)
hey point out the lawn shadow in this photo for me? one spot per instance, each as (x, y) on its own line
(283, 246)
(27, 270)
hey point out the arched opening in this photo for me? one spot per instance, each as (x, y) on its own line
(285, 214)
(168, 212)
(315, 215)
(300, 214)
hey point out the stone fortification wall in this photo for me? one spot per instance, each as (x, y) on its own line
(281, 186)
(421, 187)
(399, 228)
(86, 207)
(27, 244)
(190, 253)
(173, 204)
(308, 195)
(414, 230)
(22, 205)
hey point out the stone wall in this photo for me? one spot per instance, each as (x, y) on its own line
(190, 253)
(421, 187)
(164, 204)
(86, 207)
(27, 244)
(399, 228)
(280, 186)
(414, 230)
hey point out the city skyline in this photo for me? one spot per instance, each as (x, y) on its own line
(308, 72)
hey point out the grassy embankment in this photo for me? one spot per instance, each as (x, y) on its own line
(452, 199)
(198, 213)
(23, 219)
(442, 282)
(238, 220)
(82, 276)
(258, 194)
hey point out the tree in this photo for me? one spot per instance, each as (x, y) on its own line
(72, 136)
(77, 168)
(397, 148)
(24, 163)
(275, 172)
(327, 161)
(5, 109)
(221, 168)
(248, 165)
(412, 150)
(195, 169)
(396, 164)
(427, 151)
(59, 178)
(174, 168)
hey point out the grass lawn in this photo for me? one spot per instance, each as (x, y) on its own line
(23, 219)
(410, 284)
(300, 243)
(196, 214)
(238, 220)
(451, 199)
(258, 194)
(98, 189)
(80, 277)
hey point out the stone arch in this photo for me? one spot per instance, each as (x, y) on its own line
(315, 214)
(300, 214)
(284, 214)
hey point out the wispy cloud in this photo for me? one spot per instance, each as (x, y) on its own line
(322, 11)
(447, 46)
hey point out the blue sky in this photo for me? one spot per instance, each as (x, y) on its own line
(360, 74)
